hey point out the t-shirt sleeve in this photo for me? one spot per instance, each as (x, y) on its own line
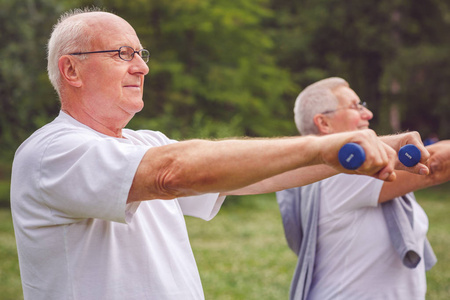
(204, 206)
(88, 178)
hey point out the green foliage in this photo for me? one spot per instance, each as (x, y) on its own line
(377, 48)
(414, 71)
(223, 68)
(211, 67)
(26, 99)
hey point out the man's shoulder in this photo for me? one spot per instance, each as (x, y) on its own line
(61, 130)
(62, 125)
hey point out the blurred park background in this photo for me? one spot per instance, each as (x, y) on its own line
(221, 68)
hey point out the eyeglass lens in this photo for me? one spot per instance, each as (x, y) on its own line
(127, 53)
(362, 105)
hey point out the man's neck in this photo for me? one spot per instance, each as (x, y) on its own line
(104, 126)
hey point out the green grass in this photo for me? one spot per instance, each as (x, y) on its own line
(436, 203)
(4, 193)
(242, 253)
(10, 285)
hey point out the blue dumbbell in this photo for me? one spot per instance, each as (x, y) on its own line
(352, 156)
(409, 155)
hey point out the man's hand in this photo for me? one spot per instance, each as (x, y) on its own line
(399, 140)
(439, 162)
(380, 158)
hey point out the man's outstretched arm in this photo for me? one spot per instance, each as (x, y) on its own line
(200, 166)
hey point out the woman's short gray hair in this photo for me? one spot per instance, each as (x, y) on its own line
(68, 36)
(315, 99)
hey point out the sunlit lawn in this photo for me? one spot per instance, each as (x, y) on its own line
(436, 203)
(242, 253)
(10, 286)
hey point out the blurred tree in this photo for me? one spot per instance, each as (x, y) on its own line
(375, 47)
(416, 75)
(212, 74)
(27, 100)
(229, 68)
(211, 69)
(324, 38)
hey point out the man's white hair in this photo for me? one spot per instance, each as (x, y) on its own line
(315, 99)
(68, 36)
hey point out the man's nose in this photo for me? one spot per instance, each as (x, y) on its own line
(139, 66)
(366, 114)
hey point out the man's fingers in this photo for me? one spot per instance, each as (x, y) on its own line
(386, 175)
(387, 157)
(420, 168)
(398, 141)
(380, 158)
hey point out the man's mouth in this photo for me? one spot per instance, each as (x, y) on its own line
(132, 85)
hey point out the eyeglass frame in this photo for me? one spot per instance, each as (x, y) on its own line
(139, 52)
(359, 107)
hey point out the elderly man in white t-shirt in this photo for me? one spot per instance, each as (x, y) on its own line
(348, 244)
(98, 209)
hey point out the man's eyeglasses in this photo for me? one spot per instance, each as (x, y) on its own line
(356, 106)
(125, 52)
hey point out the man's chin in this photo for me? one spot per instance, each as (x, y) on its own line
(135, 105)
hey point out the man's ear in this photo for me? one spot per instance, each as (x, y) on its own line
(322, 123)
(69, 72)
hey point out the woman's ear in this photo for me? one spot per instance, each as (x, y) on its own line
(69, 72)
(323, 124)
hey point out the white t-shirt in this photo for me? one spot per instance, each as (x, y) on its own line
(76, 236)
(355, 258)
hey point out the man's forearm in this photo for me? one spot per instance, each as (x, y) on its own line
(290, 179)
(198, 166)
